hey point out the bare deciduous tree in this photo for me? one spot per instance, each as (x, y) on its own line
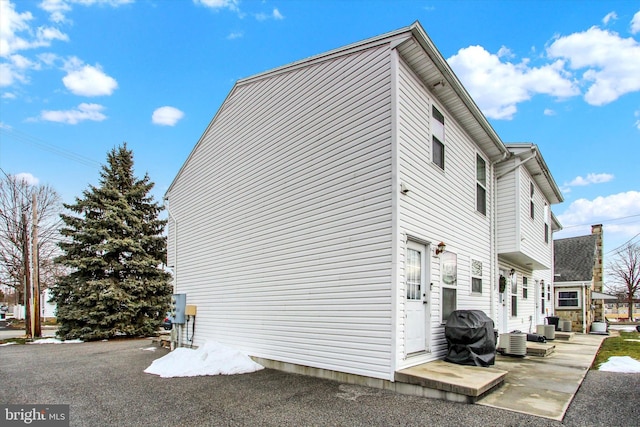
(624, 271)
(15, 208)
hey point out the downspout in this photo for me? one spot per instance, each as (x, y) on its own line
(395, 214)
(517, 165)
(584, 308)
(175, 245)
(495, 292)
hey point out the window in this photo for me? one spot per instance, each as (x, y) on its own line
(449, 274)
(414, 275)
(449, 302)
(542, 296)
(568, 299)
(531, 206)
(546, 223)
(481, 185)
(476, 277)
(437, 132)
(525, 289)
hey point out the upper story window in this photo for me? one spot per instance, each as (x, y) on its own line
(546, 223)
(437, 135)
(532, 205)
(481, 185)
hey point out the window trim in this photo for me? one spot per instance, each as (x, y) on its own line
(481, 185)
(437, 137)
(525, 287)
(532, 206)
(568, 307)
(476, 274)
(448, 261)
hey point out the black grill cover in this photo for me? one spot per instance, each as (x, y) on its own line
(470, 338)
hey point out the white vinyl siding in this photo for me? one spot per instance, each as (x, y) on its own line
(284, 217)
(518, 233)
(441, 205)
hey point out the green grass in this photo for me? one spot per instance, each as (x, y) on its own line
(618, 346)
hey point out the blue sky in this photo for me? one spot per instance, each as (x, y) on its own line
(79, 77)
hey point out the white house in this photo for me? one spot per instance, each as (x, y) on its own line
(337, 209)
(525, 226)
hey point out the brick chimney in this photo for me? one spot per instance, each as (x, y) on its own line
(598, 270)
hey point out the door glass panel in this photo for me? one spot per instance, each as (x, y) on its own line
(414, 274)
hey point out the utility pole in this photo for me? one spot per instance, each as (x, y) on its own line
(27, 277)
(35, 319)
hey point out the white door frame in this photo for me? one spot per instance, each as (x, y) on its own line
(417, 299)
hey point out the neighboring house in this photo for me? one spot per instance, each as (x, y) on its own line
(617, 309)
(578, 275)
(336, 210)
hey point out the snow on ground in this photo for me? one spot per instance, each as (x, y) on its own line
(212, 358)
(149, 349)
(621, 364)
(55, 341)
(7, 343)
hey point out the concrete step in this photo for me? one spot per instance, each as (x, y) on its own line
(470, 382)
(565, 336)
(540, 349)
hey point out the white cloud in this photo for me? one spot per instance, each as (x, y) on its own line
(603, 209)
(499, 86)
(87, 80)
(92, 112)
(166, 116)
(219, 4)
(235, 35)
(592, 178)
(611, 16)
(637, 123)
(635, 23)
(14, 25)
(275, 14)
(58, 9)
(549, 112)
(8, 95)
(27, 178)
(612, 63)
(4, 126)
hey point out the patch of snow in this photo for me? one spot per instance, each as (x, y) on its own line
(212, 358)
(149, 349)
(632, 340)
(56, 341)
(7, 343)
(624, 364)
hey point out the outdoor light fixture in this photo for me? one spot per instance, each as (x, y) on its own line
(513, 272)
(441, 247)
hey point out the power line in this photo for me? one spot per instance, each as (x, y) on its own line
(623, 245)
(43, 145)
(603, 222)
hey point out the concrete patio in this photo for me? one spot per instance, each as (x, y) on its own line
(541, 385)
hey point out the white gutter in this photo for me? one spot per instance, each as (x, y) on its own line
(175, 246)
(520, 163)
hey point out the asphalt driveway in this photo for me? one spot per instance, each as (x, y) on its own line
(104, 384)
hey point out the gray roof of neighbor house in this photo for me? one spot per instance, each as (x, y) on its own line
(574, 258)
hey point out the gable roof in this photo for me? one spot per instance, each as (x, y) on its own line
(416, 48)
(574, 258)
(538, 169)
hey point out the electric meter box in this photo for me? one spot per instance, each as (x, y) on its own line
(178, 306)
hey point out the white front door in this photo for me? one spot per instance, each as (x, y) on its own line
(417, 298)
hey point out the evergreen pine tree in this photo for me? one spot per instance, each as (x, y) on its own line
(114, 249)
